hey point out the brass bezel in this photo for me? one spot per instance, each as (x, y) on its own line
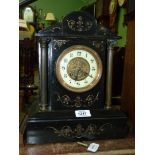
(99, 68)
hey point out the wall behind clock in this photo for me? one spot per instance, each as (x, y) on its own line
(62, 7)
(122, 28)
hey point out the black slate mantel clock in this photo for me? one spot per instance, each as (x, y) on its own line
(75, 70)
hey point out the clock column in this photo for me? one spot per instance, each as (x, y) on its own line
(43, 73)
(110, 44)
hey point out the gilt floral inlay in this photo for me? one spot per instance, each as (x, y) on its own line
(78, 101)
(80, 24)
(80, 131)
(59, 43)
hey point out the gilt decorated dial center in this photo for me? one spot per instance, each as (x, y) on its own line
(78, 68)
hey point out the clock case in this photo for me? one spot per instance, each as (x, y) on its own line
(60, 98)
(52, 118)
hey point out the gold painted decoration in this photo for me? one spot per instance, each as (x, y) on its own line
(59, 43)
(79, 130)
(78, 101)
(79, 24)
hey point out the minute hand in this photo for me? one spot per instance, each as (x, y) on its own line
(87, 74)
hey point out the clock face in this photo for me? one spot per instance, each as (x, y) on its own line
(78, 68)
(28, 14)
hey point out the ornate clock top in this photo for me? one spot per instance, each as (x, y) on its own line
(79, 23)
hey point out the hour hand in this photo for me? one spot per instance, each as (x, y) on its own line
(87, 74)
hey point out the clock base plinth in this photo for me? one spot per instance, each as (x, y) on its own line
(63, 126)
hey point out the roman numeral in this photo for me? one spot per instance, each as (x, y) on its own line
(78, 53)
